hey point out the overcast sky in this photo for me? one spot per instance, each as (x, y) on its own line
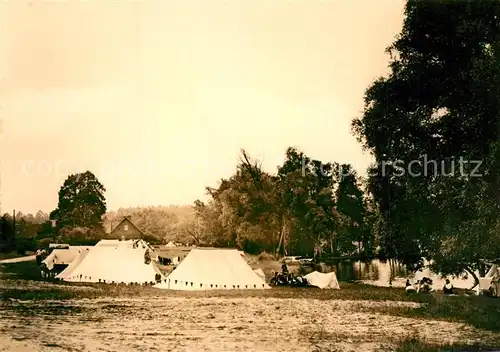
(157, 97)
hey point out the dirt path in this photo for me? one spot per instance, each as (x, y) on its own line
(18, 260)
(215, 324)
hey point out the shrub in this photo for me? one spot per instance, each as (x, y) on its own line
(265, 256)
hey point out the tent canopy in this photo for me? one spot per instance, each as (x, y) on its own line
(64, 256)
(328, 280)
(115, 262)
(213, 269)
(170, 244)
(74, 264)
(491, 281)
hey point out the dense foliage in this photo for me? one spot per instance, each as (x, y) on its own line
(308, 207)
(81, 202)
(440, 103)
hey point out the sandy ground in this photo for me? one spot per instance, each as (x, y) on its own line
(214, 324)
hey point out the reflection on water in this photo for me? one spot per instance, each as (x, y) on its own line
(379, 273)
(372, 271)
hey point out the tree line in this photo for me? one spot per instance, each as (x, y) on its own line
(307, 206)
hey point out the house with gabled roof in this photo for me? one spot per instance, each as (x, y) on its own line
(126, 230)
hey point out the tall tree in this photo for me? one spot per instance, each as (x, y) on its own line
(350, 203)
(81, 202)
(440, 102)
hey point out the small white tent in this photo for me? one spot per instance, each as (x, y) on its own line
(328, 280)
(170, 244)
(213, 269)
(113, 261)
(491, 281)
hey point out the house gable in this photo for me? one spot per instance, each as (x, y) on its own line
(127, 230)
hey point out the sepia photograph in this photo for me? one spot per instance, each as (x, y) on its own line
(250, 175)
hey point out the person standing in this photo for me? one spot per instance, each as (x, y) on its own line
(284, 268)
(38, 255)
(448, 288)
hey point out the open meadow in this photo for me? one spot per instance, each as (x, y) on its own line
(42, 316)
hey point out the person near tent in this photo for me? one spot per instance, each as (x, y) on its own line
(279, 279)
(424, 285)
(409, 288)
(448, 288)
(275, 279)
(284, 269)
(38, 254)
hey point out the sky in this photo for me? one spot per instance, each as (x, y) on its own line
(157, 97)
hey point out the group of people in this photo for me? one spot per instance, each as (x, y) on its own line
(425, 285)
(287, 278)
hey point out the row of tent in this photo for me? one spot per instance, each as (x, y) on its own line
(134, 262)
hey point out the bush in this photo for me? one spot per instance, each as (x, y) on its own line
(152, 240)
(265, 256)
(24, 244)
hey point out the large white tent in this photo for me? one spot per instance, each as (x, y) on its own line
(115, 261)
(213, 269)
(324, 281)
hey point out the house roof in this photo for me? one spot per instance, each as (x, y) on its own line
(127, 219)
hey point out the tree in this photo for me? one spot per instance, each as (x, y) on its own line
(81, 202)
(41, 217)
(7, 235)
(350, 204)
(440, 102)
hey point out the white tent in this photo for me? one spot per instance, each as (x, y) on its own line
(170, 244)
(58, 245)
(213, 269)
(328, 280)
(117, 261)
(63, 256)
(491, 280)
(74, 264)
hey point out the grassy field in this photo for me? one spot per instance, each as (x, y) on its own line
(360, 305)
